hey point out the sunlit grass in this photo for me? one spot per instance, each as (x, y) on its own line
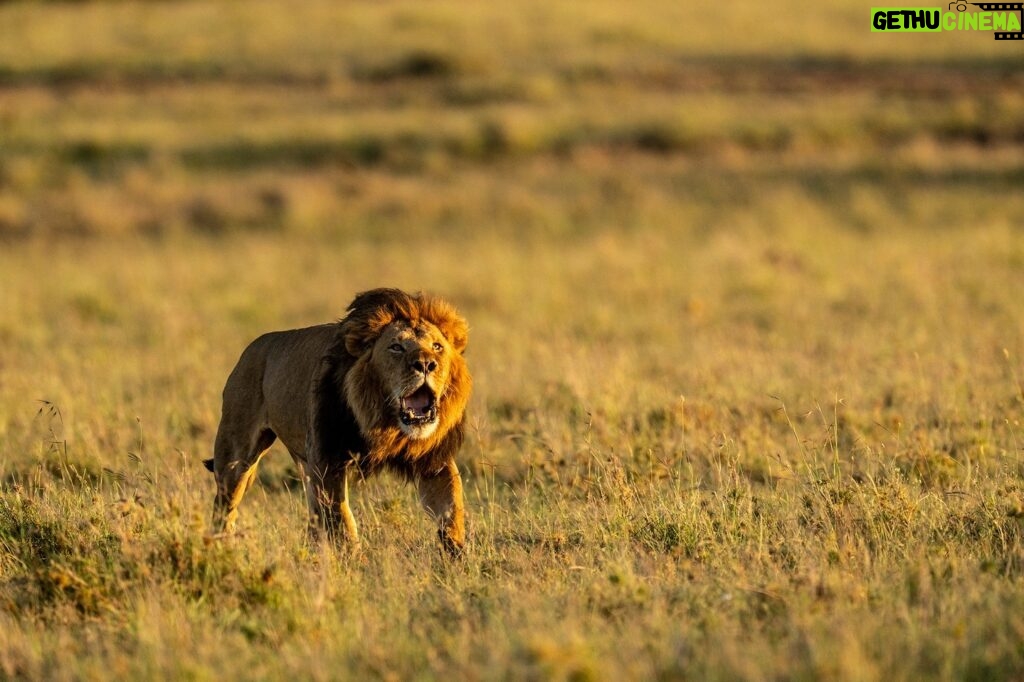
(713, 443)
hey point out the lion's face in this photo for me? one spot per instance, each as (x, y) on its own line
(409, 380)
(414, 364)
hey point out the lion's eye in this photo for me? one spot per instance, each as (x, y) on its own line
(396, 348)
(438, 347)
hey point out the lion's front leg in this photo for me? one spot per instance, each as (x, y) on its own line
(441, 495)
(329, 511)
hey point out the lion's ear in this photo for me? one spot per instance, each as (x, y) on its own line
(447, 319)
(355, 343)
(361, 331)
(456, 331)
(367, 316)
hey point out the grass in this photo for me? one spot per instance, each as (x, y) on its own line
(745, 333)
(143, 118)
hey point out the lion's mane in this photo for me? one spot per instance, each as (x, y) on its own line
(347, 371)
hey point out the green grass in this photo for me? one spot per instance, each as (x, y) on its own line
(746, 337)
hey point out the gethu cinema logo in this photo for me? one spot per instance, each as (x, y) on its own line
(999, 17)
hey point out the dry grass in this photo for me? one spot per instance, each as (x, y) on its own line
(749, 388)
(162, 118)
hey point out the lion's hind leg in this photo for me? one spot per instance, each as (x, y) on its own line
(234, 467)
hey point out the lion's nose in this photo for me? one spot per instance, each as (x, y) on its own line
(424, 365)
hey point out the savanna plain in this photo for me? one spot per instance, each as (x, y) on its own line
(747, 328)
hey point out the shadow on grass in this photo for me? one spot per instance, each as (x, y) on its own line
(728, 73)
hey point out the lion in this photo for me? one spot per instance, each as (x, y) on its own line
(384, 388)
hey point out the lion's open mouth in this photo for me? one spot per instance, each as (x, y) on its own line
(419, 407)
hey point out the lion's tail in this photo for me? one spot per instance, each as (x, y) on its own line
(208, 463)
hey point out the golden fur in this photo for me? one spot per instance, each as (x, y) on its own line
(384, 388)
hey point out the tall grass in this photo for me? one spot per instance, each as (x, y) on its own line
(704, 458)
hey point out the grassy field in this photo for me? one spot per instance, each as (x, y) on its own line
(747, 337)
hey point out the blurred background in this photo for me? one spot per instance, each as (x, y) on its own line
(529, 120)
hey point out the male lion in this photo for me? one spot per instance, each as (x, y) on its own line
(384, 388)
